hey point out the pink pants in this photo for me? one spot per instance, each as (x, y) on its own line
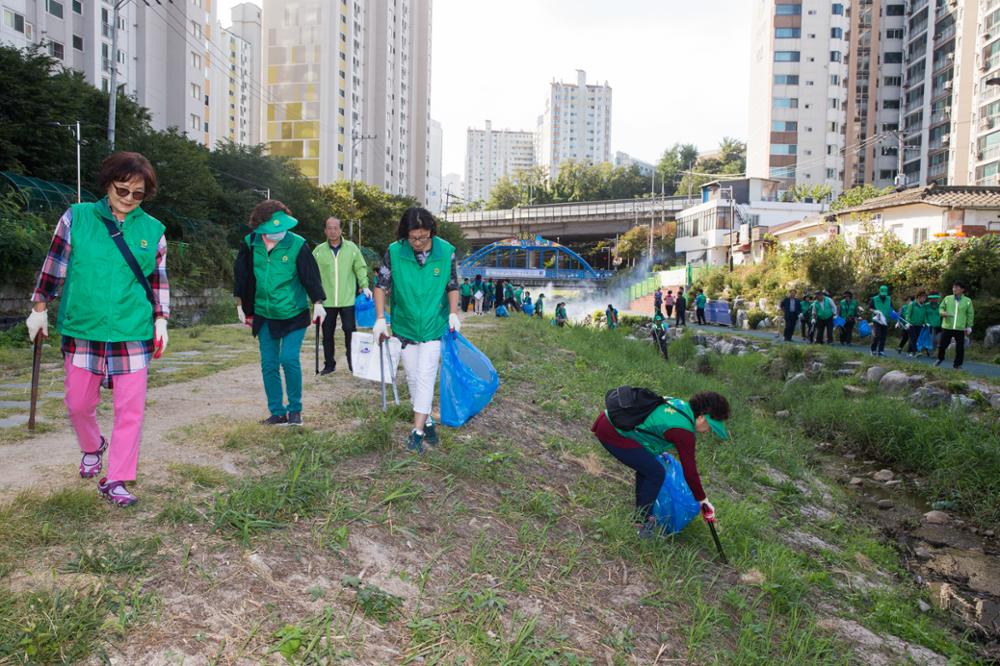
(83, 393)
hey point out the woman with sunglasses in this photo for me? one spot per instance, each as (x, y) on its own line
(112, 320)
(420, 274)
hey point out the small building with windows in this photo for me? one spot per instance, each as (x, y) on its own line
(925, 213)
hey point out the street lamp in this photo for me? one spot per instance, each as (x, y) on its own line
(76, 128)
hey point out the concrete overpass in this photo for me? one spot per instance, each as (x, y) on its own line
(589, 220)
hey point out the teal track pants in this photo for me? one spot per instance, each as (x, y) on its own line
(281, 354)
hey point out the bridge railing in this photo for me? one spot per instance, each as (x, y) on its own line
(618, 208)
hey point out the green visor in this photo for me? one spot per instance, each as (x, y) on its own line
(280, 221)
(718, 427)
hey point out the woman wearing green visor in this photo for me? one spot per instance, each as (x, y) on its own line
(277, 280)
(672, 425)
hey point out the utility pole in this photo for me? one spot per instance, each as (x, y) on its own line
(900, 159)
(355, 140)
(652, 215)
(76, 131)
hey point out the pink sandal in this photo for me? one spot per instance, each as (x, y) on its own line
(91, 463)
(116, 493)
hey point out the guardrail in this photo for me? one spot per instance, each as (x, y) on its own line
(618, 208)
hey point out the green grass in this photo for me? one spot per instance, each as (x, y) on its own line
(132, 557)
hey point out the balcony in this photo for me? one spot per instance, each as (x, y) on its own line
(940, 117)
(945, 33)
(988, 154)
(106, 30)
(937, 170)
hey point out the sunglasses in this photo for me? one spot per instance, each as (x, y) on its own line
(125, 193)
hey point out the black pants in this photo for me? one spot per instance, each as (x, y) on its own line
(789, 327)
(847, 332)
(947, 335)
(904, 338)
(465, 303)
(681, 318)
(824, 327)
(329, 326)
(669, 310)
(879, 332)
(649, 475)
(913, 334)
(700, 313)
(805, 327)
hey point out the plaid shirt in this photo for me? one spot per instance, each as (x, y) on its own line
(101, 358)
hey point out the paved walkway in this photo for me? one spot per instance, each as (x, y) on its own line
(977, 368)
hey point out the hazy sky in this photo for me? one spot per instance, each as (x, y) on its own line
(678, 69)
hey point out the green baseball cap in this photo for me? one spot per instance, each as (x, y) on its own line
(280, 221)
(883, 290)
(718, 427)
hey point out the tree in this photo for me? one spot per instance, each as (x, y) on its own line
(858, 195)
(731, 160)
(675, 160)
(505, 194)
(809, 193)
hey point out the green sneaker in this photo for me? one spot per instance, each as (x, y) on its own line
(415, 442)
(430, 432)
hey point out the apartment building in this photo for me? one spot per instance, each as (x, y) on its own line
(492, 154)
(576, 124)
(246, 28)
(625, 160)
(985, 143)
(434, 194)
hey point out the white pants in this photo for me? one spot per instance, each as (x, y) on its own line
(421, 360)
(478, 308)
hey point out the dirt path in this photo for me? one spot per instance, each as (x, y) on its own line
(50, 459)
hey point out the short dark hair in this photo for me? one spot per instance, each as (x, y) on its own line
(263, 211)
(959, 283)
(710, 403)
(416, 218)
(124, 166)
(847, 293)
(921, 293)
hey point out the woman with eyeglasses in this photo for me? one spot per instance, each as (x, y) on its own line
(108, 263)
(420, 274)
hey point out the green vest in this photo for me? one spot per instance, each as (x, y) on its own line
(824, 308)
(419, 297)
(883, 305)
(699, 301)
(341, 274)
(675, 413)
(508, 291)
(848, 308)
(904, 311)
(933, 317)
(539, 305)
(465, 289)
(280, 294)
(101, 299)
(491, 289)
(478, 286)
(917, 314)
(518, 293)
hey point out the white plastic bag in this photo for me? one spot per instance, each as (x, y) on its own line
(364, 357)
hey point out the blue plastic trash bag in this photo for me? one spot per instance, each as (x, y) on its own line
(364, 311)
(528, 309)
(839, 322)
(468, 380)
(864, 328)
(502, 311)
(925, 341)
(675, 506)
(893, 315)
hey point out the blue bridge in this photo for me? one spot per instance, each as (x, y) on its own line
(531, 261)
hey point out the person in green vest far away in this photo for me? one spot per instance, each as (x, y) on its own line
(611, 316)
(491, 294)
(540, 305)
(659, 333)
(849, 311)
(824, 311)
(934, 315)
(904, 315)
(420, 274)
(278, 275)
(918, 319)
(478, 294)
(881, 309)
(957, 316)
(699, 307)
(806, 316)
(671, 425)
(518, 297)
(113, 315)
(508, 295)
(343, 270)
(561, 316)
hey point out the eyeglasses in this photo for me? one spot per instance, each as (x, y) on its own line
(124, 193)
(419, 239)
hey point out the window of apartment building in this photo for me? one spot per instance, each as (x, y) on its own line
(831, 173)
(194, 122)
(56, 50)
(895, 33)
(919, 235)
(890, 127)
(786, 79)
(783, 148)
(892, 81)
(784, 126)
(786, 56)
(77, 7)
(121, 57)
(834, 103)
(195, 60)
(786, 102)
(887, 174)
(893, 57)
(787, 33)
(837, 33)
(788, 10)
(13, 20)
(895, 10)
(55, 8)
(833, 127)
(837, 9)
(78, 42)
(834, 79)
(196, 29)
(195, 91)
(890, 104)
(835, 56)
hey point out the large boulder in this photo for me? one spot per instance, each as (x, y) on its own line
(875, 374)
(897, 381)
(962, 403)
(992, 337)
(930, 396)
(796, 379)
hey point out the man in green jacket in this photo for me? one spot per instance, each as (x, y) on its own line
(465, 291)
(699, 307)
(956, 323)
(824, 311)
(343, 270)
(849, 311)
(881, 309)
(933, 316)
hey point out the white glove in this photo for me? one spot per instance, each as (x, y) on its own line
(707, 511)
(38, 321)
(160, 337)
(454, 323)
(380, 330)
(241, 315)
(968, 332)
(367, 292)
(319, 313)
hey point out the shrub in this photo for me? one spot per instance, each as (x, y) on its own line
(977, 265)
(24, 241)
(756, 316)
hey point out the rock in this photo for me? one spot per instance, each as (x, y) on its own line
(752, 577)
(700, 351)
(923, 605)
(897, 381)
(700, 340)
(929, 396)
(875, 374)
(853, 391)
(883, 475)
(941, 594)
(962, 403)
(725, 348)
(893, 482)
(936, 517)
(852, 365)
(922, 553)
(843, 373)
(783, 414)
(992, 337)
(943, 505)
(814, 369)
(856, 481)
(797, 378)
(884, 504)
(765, 323)
(995, 401)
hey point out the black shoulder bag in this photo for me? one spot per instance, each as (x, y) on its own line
(116, 236)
